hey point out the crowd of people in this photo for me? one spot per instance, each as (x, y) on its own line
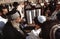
(13, 25)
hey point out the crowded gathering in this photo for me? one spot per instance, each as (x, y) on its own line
(29, 19)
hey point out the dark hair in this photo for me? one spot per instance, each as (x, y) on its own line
(29, 28)
(13, 12)
(15, 4)
(36, 21)
(0, 8)
(58, 15)
(3, 7)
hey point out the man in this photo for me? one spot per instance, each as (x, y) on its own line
(55, 30)
(2, 21)
(12, 28)
(53, 16)
(36, 32)
(18, 7)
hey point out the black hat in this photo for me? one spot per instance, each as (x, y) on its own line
(15, 4)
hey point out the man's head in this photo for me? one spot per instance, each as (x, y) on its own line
(4, 10)
(39, 20)
(16, 17)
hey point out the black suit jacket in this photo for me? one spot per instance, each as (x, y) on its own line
(10, 32)
(57, 34)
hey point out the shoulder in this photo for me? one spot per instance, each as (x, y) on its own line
(57, 34)
(58, 31)
(55, 31)
(7, 26)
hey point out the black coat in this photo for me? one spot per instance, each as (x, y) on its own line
(46, 28)
(57, 34)
(10, 32)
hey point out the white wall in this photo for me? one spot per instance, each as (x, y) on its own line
(9, 1)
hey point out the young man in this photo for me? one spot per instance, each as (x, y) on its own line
(3, 20)
(36, 32)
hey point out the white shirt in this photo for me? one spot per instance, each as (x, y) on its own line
(2, 22)
(36, 32)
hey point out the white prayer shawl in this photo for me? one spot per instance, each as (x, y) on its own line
(34, 34)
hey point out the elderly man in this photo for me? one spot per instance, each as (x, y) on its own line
(12, 28)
